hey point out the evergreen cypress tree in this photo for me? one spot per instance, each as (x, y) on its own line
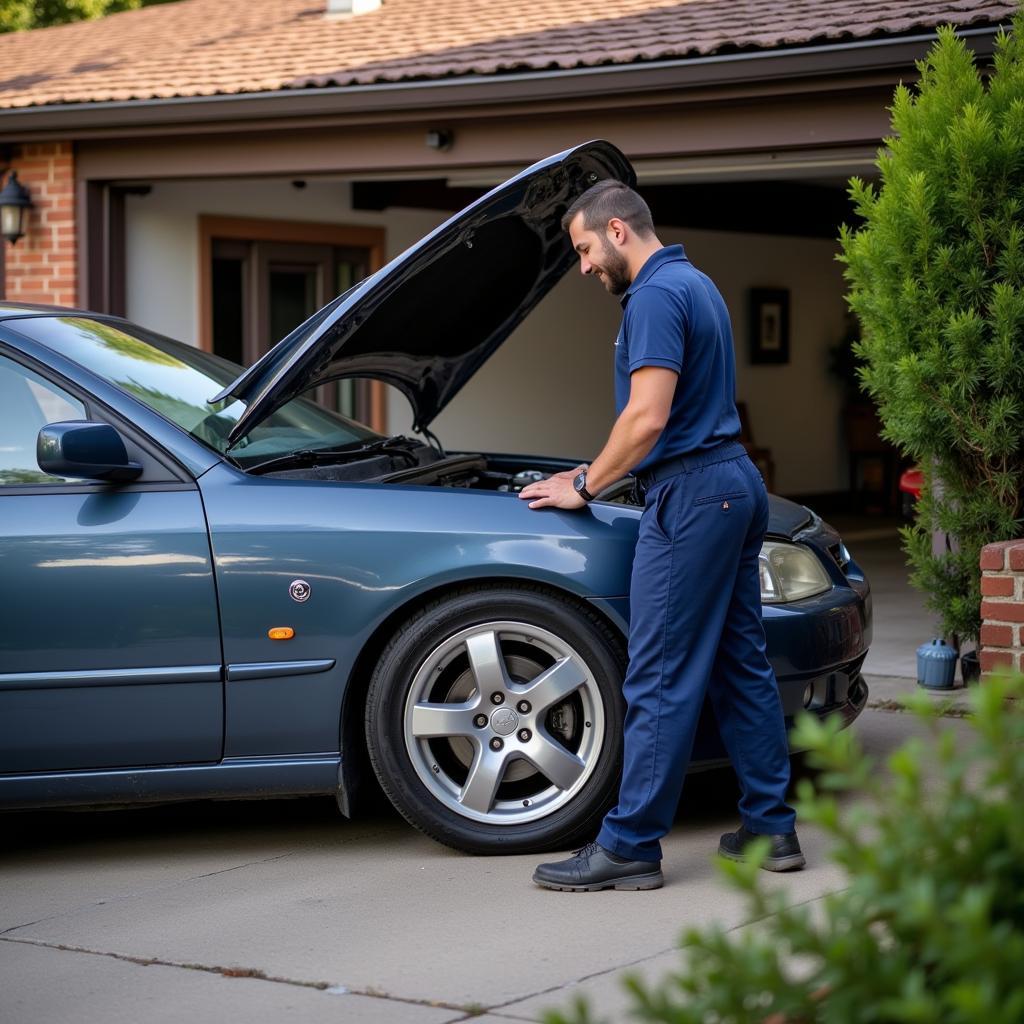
(936, 277)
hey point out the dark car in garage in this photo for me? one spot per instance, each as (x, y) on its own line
(213, 587)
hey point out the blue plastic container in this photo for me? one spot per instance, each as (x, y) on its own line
(936, 665)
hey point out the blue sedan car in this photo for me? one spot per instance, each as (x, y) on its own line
(213, 587)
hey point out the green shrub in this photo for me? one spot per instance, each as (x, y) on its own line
(936, 276)
(931, 927)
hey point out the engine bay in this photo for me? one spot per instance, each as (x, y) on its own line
(469, 470)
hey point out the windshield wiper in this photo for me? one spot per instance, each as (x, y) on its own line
(398, 445)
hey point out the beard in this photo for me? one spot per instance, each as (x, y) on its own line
(615, 270)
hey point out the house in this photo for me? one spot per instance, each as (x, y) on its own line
(217, 169)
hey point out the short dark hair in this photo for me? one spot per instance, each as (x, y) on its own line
(608, 199)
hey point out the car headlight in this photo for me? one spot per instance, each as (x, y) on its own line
(789, 572)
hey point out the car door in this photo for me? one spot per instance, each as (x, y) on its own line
(110, 651)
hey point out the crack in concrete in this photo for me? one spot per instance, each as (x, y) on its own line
(791, 906)
(27, 924)
(491, 1013)
(181, 881)
(579, 981)
(510, 1016)
(234, 867)
(952, 711)
(144, 893)
(467, 1011)
(640, 960)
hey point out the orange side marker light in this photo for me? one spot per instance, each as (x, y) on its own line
(281, 633)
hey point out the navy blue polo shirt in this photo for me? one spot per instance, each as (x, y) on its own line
(674, 316)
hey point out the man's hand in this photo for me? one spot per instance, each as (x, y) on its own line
(555, 492)
(570, 474)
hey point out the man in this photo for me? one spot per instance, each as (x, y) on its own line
(695, 605)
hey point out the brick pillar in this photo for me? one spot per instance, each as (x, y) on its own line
(1002, 606)
(41, 266)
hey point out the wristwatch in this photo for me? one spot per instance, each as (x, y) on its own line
(580, 484)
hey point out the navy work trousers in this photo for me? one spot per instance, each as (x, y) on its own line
(696, 631)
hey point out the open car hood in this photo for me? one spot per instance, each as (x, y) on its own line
(427, 321)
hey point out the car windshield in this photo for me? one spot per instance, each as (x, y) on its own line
(176, 380)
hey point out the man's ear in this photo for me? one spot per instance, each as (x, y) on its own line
(617, 231)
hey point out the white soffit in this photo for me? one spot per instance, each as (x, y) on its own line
(767, 166)
(815, 166)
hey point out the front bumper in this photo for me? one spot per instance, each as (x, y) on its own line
(824, 693)
(849, 697)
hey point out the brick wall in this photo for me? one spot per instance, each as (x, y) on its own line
(41, 266)
(1002, 606)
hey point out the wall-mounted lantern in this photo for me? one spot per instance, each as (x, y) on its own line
(15, 202)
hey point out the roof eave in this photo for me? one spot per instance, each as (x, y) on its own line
(78, 120)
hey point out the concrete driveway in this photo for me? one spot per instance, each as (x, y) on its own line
(284, 911)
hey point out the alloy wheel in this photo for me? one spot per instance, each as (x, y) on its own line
(504, 722)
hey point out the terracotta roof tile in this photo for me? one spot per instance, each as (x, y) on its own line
(208, 47)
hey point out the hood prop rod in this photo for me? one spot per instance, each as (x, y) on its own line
(432, 439)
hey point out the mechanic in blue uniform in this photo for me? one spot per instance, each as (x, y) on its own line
(695, 600)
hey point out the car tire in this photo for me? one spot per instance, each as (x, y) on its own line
(494, 719)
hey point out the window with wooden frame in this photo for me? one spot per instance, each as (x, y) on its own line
(259, 279)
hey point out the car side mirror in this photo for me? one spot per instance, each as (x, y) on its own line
(81, 448)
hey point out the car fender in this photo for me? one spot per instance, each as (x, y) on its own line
(332, 562)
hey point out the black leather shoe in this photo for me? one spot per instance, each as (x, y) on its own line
(784, 855)
(593, 868)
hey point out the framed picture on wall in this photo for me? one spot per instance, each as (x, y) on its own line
(769, 325)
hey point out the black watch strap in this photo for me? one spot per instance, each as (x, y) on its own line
(580, 483)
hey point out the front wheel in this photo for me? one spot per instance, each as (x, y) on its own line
(494, 720)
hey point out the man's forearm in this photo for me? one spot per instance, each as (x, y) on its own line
(633, 436)
(635, 433)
